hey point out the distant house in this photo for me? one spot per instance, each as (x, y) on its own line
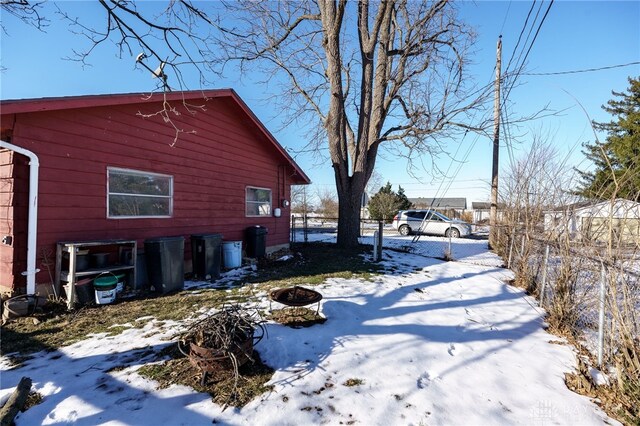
(617, 221)
(481, 211)
(364, 206)
(134, 166)
(452, 207)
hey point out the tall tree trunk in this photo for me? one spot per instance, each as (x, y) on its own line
(349, 223)
(350, 191)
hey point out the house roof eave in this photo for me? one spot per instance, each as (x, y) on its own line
(22, 106)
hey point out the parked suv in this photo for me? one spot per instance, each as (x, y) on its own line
(429, 222)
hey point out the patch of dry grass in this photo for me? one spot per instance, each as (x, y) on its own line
(353, 382)
(55, 327)
(34, 398)
(221, 386)
(296, 317)
(620, 400)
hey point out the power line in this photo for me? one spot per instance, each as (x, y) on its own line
(451, 164)
(524, 27)
(518, 72)
(506, 15)
(580, 71)
(519, 65)
(506, 131)
(445, 178)
(519, 68)
(536, 35)
(526, 41)
(466, 156)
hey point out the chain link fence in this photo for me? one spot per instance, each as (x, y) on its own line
(590, 290)
(307, 229)
(471, 249)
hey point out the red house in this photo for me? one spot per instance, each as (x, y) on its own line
(135, 166)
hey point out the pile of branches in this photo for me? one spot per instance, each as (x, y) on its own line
(222, 341)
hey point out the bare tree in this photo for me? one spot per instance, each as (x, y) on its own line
(28, 12)
(359, 75)
(328, 204)
(537, 182)
(370, 73)
(375, 183)
(300, 201)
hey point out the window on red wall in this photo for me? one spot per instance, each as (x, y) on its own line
(258, 201)
(137, 194)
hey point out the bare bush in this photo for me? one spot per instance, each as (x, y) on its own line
(563, 309)
(300, 200)
(593, 244)
(531, 185)
(327, 204)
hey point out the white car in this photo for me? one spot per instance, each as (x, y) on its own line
(431, 222)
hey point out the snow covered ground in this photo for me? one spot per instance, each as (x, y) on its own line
(432, 342)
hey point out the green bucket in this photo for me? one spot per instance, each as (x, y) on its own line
(106, 281)
(105, 288)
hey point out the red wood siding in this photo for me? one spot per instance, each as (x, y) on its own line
(217, 155)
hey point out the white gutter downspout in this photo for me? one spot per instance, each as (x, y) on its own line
(33, 214)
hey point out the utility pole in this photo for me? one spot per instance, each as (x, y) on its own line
(493, 214)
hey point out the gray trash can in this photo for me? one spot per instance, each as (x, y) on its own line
(165, 263)
(206, 254)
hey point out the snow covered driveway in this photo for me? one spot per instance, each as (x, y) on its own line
(429, 343)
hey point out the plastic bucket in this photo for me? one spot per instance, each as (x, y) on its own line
(232, 254)
(82, 262)
(105, 289)
(100, 260)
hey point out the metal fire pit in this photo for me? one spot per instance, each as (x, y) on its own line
(212, 354)
(213, 361)
(296, 296)
(210, 360)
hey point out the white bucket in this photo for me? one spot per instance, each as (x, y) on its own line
(106, 295)
(232, 254)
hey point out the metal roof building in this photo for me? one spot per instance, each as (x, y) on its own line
(440, 203)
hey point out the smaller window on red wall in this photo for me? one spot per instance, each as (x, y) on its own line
(137, 194)
(258, 201)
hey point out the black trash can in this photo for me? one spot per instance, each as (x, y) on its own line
(256, 241)
(165, 263)
(206, 254)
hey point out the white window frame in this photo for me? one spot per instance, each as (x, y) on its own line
(140, 173)
(247, 202)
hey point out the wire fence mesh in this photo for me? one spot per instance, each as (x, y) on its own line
(590, 289)
(472, 249)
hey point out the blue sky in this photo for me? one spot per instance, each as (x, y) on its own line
(576, 35)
